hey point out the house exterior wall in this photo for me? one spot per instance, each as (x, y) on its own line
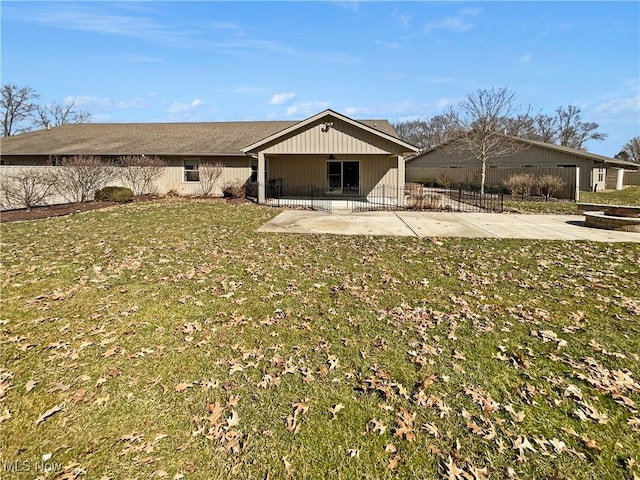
(530, 160)
(298, 172)
(236, 169)
(341, 138)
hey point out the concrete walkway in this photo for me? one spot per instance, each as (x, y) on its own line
(444, 224)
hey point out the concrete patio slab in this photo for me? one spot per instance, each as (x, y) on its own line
(444, 224)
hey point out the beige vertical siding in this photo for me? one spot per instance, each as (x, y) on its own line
(431, 165)
(236, 170)
(301, 171)
(342, 137)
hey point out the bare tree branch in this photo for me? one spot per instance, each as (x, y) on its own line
(54, 115)
(17, 106)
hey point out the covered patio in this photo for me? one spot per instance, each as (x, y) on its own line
(332, 157)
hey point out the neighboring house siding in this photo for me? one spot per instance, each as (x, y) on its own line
(530, 160)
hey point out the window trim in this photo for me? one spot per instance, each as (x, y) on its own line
(193, 162)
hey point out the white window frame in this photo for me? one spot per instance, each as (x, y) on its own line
(190, 165)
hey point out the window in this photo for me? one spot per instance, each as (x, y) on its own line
(191, 173)
(254, 170)
(601, 175)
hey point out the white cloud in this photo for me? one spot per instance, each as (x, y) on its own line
(391, 45)
(472, 12)
(280, 98)
(357, 111)
(451, 24)
(619, 105)
(307, 108)
(404, 20)
(177, 107)
(445, 102)
(526, 58)
(97, 103)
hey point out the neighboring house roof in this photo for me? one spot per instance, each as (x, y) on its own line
(550, 146)
(375, 127)
(206, 138)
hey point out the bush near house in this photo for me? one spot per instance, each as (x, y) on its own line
(114, 194)
(234, 190)
(79, 177)
(521, 184)
(27, 189)
(549, 184)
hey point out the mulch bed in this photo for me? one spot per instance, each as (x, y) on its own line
(50, 211)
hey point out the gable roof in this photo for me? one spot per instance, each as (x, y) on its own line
(374, 128)
(549, 146)
(202, 138)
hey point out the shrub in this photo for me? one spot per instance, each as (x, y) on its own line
(140, 173)
(423, 201)
(549, 185)
(114, 194)
(430, 182)
(209, 175)
(520, 184)
(27, 189)
(442, 182)
(234, 190)
(79, 177)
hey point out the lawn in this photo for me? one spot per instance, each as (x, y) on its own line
(628, 196)
(170, 340)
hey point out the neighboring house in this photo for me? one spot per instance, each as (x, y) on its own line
(329, 151)
(596, 172)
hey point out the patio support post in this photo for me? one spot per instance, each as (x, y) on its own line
(261, 178)
(620, 179)
(401, 181)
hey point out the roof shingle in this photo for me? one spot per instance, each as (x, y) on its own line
(206, 138)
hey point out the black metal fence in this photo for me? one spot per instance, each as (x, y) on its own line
(380, 197)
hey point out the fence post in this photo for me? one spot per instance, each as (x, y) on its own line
(577, 184)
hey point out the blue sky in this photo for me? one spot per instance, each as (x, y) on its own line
(159, 61)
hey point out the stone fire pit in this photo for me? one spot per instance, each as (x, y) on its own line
(622, 218)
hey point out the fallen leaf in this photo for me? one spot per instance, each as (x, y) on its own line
(181, 387)
(335, 409)
(48, 413)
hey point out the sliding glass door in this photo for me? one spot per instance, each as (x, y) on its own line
(343, 177)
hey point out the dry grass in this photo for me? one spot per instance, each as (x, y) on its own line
(170, 340)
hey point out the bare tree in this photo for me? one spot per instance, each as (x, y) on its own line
(630, 151)
(77, 178)
(431, 132)
(17, 107)
(209, 175)
(140, 173)
(572, 131)
(27, 189)
(483, 114)
(54, 115)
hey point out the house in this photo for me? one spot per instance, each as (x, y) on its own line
(592, 172)
(330, 152)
